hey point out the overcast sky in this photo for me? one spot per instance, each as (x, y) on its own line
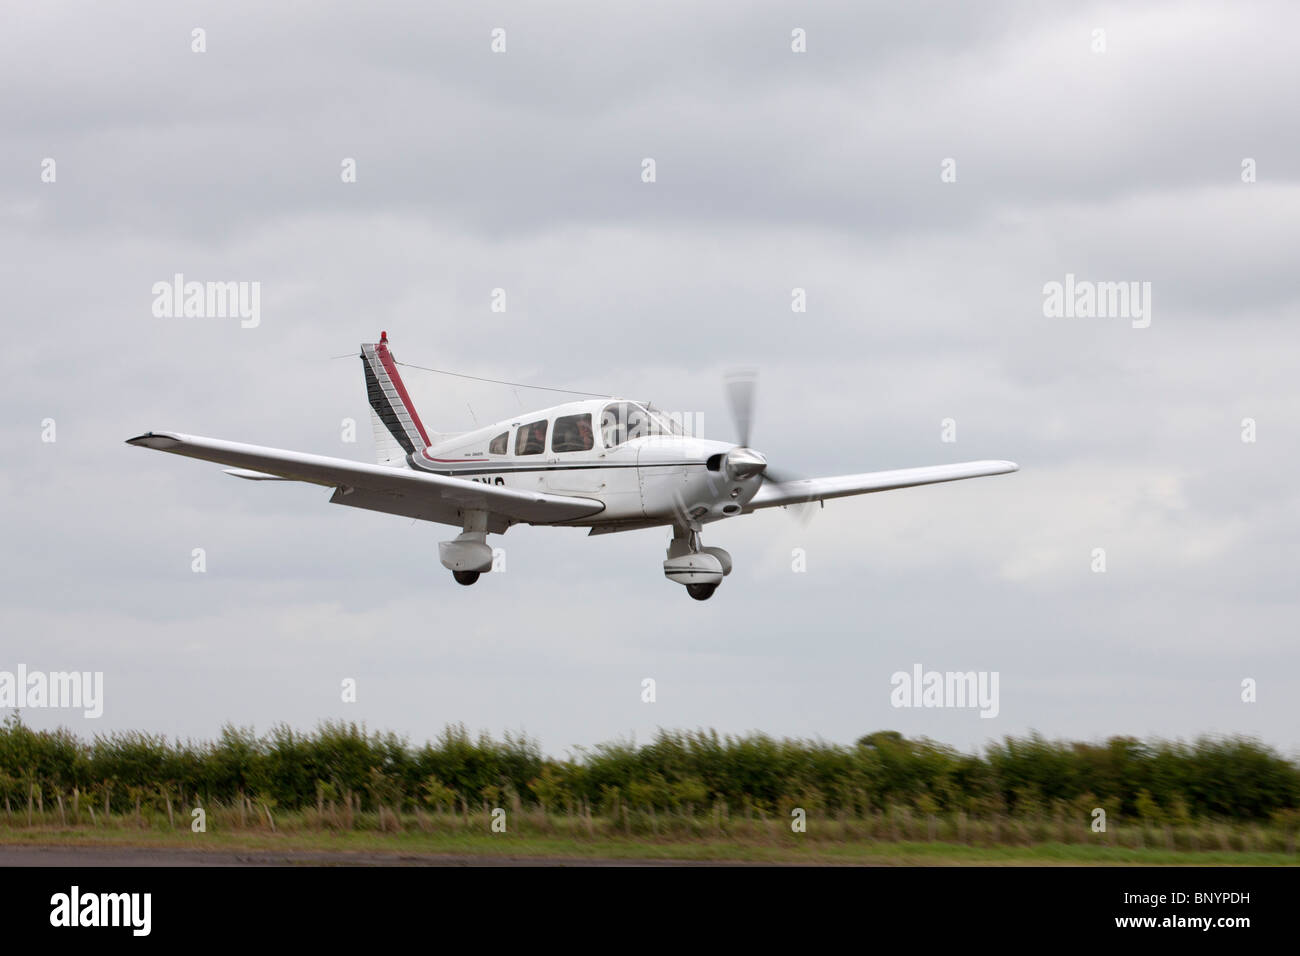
(775, 170)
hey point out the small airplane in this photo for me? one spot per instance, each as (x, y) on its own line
(607, 464)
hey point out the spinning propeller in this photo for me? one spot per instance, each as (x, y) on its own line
(742, 461)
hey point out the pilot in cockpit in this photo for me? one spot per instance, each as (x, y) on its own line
(536, 439)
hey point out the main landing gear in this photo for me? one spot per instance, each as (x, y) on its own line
(469, 555)
(699, 568)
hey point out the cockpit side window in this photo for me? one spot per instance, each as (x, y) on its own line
(572, 433)
(531, 438)
(498, 445)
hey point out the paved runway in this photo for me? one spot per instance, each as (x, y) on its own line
(76, 856)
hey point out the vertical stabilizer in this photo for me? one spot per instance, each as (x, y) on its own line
(398, 429)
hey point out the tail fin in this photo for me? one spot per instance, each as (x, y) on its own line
(398, 429)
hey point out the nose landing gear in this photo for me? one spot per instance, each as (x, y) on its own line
(699, 568)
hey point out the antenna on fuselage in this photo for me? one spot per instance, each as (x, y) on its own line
(497, 381)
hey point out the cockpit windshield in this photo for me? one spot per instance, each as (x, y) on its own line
(665, 424)
(623, 421)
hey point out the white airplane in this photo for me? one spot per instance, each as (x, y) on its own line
(604, 464)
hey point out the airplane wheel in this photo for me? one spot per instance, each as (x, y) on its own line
(701, 592)
(465, 577)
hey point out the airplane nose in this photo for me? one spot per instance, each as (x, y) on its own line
(744, 463)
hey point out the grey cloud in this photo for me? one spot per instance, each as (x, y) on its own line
(925, 302)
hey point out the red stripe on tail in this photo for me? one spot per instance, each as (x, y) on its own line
(386, 358)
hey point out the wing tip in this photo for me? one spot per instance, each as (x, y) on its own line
(159, 440)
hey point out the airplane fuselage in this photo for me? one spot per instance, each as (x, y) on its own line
(618, 452)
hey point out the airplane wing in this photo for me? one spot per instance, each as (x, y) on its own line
(774, 494)
(393, 490)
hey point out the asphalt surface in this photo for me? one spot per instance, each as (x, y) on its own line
(78, 856)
